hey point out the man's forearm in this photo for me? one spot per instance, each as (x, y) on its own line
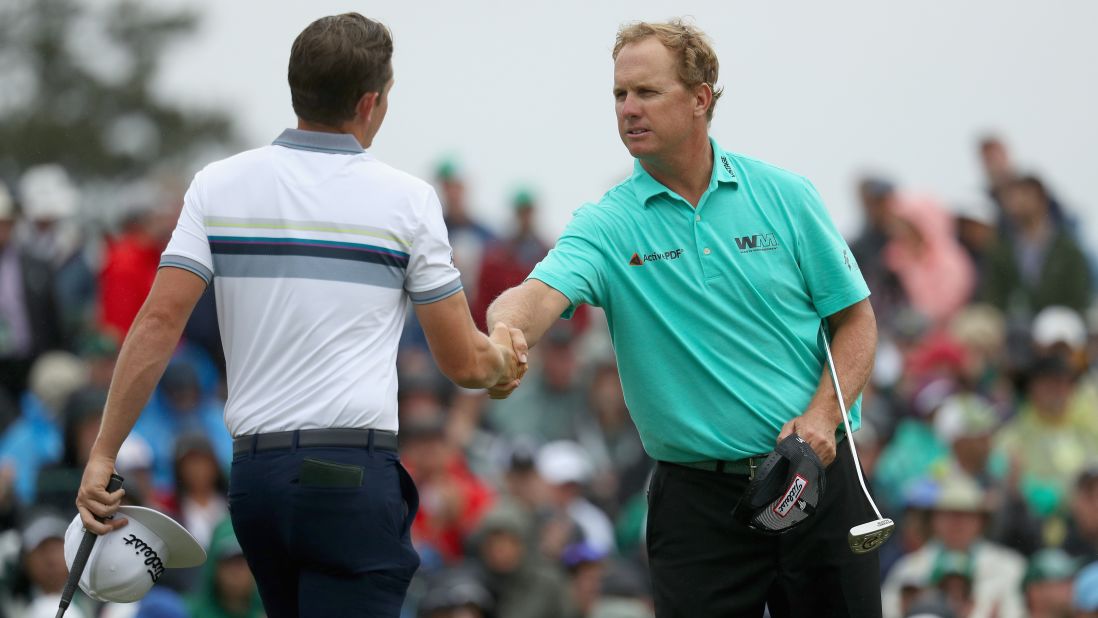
(144, 355)
(531, 307)
(853, 346)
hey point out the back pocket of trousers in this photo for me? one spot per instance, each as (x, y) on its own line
(330, 474)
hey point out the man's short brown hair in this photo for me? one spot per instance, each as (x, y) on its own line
(335, 61)
(696, 59)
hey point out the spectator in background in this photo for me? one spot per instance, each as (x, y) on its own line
(552, 396)
(455, 593)
(1051, 437)
(1085, 592)
(42, 570)
(57, 483)
(29, 323)
(875, 195)
(1081, 531)
(133, 256)
(469, 238)
(957, 523)
(227, 588)
(611, 439)
(1038, 263)
(933, 269)
(507, 261)
(53, 235)
(36, 439)
(566, 469)
(185, 402)
(1047, 584)
(914, 447)
(521, 583)
(451, 499)
(999, 169)
(584, 566)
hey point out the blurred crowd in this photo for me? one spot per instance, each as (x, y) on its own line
(980, 434)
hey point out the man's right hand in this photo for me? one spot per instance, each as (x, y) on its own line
(92, 500)
(512, 345)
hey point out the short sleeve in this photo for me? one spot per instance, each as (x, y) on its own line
(576, 265)
(189, 247)
(431, 274)
(832, 275)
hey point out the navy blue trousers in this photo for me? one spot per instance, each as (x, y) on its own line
(323, 547)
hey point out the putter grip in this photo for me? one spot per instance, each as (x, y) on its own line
(80, 560)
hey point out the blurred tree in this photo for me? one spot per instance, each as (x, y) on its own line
(76, 84)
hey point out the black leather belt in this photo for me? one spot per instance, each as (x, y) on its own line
(745, 467)
(354, 438)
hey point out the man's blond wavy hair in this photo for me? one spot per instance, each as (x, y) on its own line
(696, 59)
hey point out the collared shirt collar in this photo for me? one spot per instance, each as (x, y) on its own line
(316, 141)
(645, 187)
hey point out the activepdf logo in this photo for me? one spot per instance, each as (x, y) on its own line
(796, 488)
(639, 260)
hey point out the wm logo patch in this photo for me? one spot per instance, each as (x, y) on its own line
(757, 242)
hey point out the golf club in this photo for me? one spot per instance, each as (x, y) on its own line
(80, 560)
(866, 537)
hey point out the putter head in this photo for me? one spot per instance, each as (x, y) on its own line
(869, 536)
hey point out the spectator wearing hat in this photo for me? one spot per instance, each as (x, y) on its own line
(54, 235)
(967, 423)
(1047, 583)
(29, 322)
(455, 593)
(952, 577)
(875, 194)
(1085, 592)
(506, 262)
(958, 519)
(36, 439)
(522, 584)
(227, 588)
(42, 570)
(584, 566)
(936, 274)
(469, 238)
(566, 468)
(1052, 436)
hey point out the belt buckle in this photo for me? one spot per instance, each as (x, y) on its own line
(751, 468)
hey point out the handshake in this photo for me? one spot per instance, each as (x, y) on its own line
(510, 344)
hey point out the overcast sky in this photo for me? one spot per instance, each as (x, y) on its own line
(519, 92)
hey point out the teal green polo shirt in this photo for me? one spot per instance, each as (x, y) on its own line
(714, 311)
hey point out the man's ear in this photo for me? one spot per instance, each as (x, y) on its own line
(366, 105)
(703, 99)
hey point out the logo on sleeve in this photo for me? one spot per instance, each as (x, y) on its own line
(639, 259)
(757, 242)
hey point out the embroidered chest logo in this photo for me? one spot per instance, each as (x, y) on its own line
(757, 242)
(639, 259)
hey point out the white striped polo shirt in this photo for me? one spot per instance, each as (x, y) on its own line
(314, 248)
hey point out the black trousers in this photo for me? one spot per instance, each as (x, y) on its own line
(704, 563)
(325, 530)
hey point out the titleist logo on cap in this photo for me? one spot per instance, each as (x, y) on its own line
(152, 560)
(796, 488)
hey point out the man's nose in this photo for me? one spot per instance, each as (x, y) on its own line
(630, 106)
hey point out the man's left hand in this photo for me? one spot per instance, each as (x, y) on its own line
(817, 430)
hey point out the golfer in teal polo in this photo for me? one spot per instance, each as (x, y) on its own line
(715, 271)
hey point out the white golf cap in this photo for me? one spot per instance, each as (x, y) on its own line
(125, 563)
(48, 193)
(563, 462)
(1058, 324)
